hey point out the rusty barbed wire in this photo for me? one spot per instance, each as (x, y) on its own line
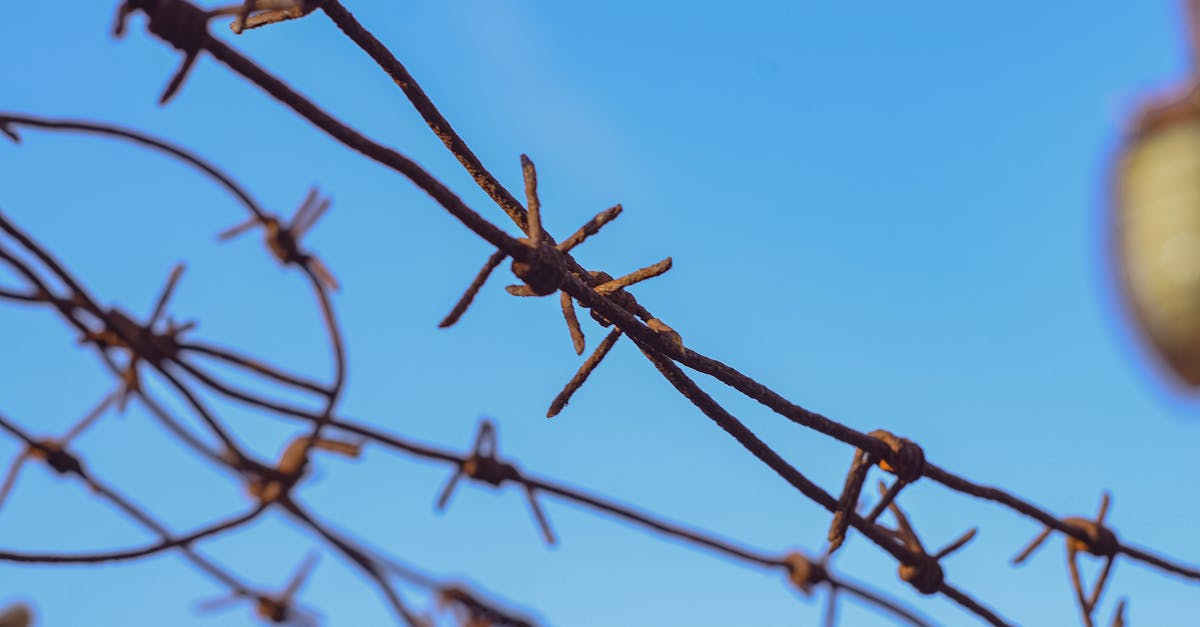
(346, 22)
(271, 484)
(544, 268)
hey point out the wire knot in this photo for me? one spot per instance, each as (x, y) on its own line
(143, 340)
(122, 331)
(922, 569)
(181, 24)
(484, 466)
(804, 573)
(544, 266)
(1101, 542)
(268, 485)
(924, 574)
(56, 456)
(490, 470)
(280, 242)
(283, 238)
(53, 451)
(537, 269)
(907, 459)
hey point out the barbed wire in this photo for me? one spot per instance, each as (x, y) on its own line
(544, 267)
(270, 484)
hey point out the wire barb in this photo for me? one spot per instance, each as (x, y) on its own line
(533, 204)
(142, 342)
(541, 269)
(268, 485)
(483, 466)
(181, 24)
(924, 573)
(468, 296)
(906, 460)
(568, 309)
(1101, 542)
(634, 277)
(277, 608)
(590, 228)
(283, 239)
(53, 452)
(258, 13)
(582, 374)
(804, 573)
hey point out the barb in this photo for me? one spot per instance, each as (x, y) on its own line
(53, 451)
(924, 572)
(276, 608)
(120, 331)
(483, 466)
(540, 279)
(181, 24)
(463, 303)
(268, 487)
(582, 374)
(258, 13)
(283, 238)
(906, 461)
(1101, 542)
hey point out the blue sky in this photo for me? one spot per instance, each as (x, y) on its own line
(894, 215)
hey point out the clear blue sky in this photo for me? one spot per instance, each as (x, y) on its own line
(894, 214)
